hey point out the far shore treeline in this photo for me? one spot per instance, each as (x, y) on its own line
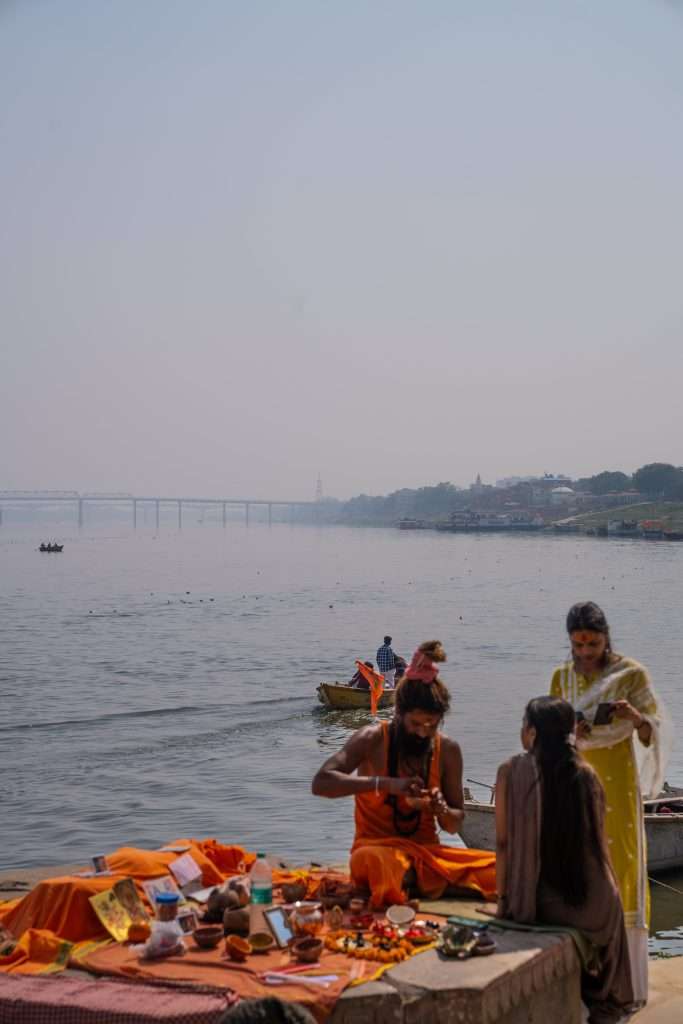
(655, 482)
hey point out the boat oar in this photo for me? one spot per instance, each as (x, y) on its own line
(475, 782)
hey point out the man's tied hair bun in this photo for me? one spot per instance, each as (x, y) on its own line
(424, 664)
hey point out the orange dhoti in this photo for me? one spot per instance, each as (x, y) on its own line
(381, 857)
(381, 866)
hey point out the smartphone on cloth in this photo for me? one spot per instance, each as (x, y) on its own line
(603, 715)
(278, 922)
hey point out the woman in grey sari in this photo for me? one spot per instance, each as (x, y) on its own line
(552, 863)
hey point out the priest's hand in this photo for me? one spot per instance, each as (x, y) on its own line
(437, 802)
(410, 786)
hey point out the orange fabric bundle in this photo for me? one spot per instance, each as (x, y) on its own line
(37, 952)
(217, 862)
(229, 860)
(59, 905)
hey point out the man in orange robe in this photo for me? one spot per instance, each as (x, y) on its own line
(407, 779)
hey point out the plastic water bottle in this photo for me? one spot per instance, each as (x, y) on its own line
(261, 878)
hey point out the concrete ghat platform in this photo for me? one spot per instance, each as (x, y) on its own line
(532, 979)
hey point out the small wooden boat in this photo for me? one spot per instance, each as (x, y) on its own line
(663, 828)
(343, 697)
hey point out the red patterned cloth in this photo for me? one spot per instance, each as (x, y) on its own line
(36, 1000)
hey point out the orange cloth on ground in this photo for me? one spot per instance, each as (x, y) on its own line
(59, 905)
(37, 952)
(62, 905)
(212, 967)
(380, 857)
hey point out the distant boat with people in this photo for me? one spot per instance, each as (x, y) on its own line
(51, 548)
(343, 697)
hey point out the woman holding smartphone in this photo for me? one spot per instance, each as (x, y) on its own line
(621, 734)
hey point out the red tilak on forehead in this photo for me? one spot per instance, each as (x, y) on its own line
(586, 636)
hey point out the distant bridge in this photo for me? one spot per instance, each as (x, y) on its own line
(79, 501)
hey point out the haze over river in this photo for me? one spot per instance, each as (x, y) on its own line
(159, 685)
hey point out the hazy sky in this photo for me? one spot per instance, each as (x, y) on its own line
(394, 242)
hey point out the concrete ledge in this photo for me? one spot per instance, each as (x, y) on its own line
(532, 979)
(373, 1003)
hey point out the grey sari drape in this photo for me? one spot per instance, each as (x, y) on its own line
(528, 898)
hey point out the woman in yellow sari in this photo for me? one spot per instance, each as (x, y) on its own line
(627, 753)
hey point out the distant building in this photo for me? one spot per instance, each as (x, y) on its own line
(478, 487)
(547, 481)
(561, 496)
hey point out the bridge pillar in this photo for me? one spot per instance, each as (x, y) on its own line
(270, 513)
(246, 513)
(180, 514)
(157, 511)
(135, 514)
(80, 512)
(225, 514)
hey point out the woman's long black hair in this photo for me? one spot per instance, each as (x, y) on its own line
(570, 823)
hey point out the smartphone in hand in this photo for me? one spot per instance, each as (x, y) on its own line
(603, 715)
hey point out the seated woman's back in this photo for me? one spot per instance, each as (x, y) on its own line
(552, 863)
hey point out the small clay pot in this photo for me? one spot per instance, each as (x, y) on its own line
(292, 892)
(237, 948)
(261, 942)
(307, 950)
(333, 893)
(236, 922)
(139, 931)
(219, 901)
(239, 888)
(207, 936)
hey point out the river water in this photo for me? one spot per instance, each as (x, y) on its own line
(162, 684)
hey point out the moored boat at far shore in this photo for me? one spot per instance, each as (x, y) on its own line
(663, 828)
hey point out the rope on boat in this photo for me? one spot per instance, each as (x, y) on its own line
(671, 888)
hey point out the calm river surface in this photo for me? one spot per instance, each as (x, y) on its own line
(158, 685)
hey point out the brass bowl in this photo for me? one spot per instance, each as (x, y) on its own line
(261, 942)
